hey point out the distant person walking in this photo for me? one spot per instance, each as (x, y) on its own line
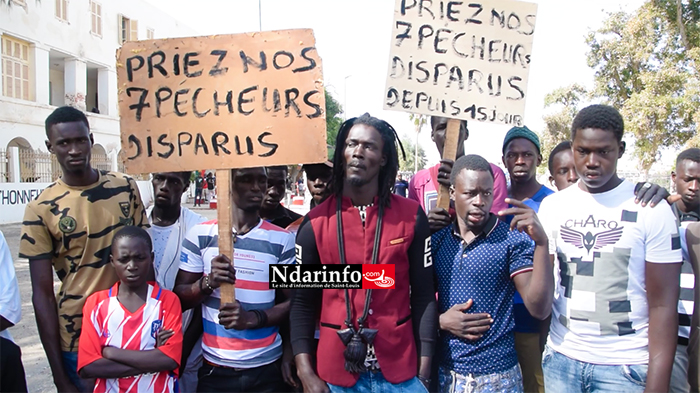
(401, 186)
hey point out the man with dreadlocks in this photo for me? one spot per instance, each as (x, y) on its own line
(369, 339)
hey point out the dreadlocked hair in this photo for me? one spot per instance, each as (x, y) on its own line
(387, 173)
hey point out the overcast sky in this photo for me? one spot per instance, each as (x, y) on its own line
(353, 39)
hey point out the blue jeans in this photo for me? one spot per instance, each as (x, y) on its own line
(374, 382)
(509, 381)
(70, 364)
(563, 374)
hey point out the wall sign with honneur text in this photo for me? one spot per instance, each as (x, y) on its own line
(221, 102)
(462, 60)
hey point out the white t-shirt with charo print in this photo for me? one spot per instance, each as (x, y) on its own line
(601, 243)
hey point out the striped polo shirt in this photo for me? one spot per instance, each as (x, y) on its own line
(264, 245)
(686, 296)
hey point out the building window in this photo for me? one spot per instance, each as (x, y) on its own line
(15, 68)
(62, 10)
(21, 3)
(150, 34)
(128, 29)
(96, 13)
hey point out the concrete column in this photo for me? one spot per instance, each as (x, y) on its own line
(75, 78)
(14, 164)
(41, 72)
(107, 92)
(113, 157)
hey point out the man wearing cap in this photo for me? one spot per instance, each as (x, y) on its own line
(521, 156)
(318, 178)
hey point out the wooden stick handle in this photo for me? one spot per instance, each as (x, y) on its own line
(449, 152)
(224, 213)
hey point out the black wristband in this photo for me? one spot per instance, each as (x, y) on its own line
(262, 318)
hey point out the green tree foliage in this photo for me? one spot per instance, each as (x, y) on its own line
(558, 123)
(333, 118)
(409, 147)
(645, 65)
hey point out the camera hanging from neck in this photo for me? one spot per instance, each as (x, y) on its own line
(357, 340)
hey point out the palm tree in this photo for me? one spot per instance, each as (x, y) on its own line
(419, 121)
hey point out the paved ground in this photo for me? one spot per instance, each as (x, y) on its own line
(25, 334)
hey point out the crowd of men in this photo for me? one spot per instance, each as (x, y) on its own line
(514, 288)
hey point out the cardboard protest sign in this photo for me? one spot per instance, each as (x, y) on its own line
(221, 102)
(462, 60)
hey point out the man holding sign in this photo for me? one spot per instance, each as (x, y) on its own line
(225, 102)
(424, 186)
(241, 343)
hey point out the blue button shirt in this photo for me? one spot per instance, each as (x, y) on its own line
(482, 270)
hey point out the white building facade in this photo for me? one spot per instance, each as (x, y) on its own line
(62, 52)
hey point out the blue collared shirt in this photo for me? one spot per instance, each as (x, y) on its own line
(482, 270)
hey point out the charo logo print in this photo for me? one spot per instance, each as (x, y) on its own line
(380, 280)
(588, 240)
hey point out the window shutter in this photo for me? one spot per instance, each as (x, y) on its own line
(134, 36)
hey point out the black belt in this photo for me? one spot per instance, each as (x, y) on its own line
(682, 341)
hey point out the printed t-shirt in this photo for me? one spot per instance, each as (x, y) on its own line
(74, 227)
(601, 241)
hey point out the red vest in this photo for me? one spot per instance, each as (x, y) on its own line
(390, 310)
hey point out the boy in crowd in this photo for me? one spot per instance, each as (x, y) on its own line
(686, 177)
(479, 262)
(614, 319)
(521, 156)
(562, 172)
(69, 229)
(271, 209)
(132, 337)
(170, 222)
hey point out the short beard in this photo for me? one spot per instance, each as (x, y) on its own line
(357, 182)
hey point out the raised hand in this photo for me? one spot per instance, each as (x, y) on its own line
(525, 220)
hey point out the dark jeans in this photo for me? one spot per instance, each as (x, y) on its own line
(11, 369)
(198, 196)
(266, 378)
(70, 364)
